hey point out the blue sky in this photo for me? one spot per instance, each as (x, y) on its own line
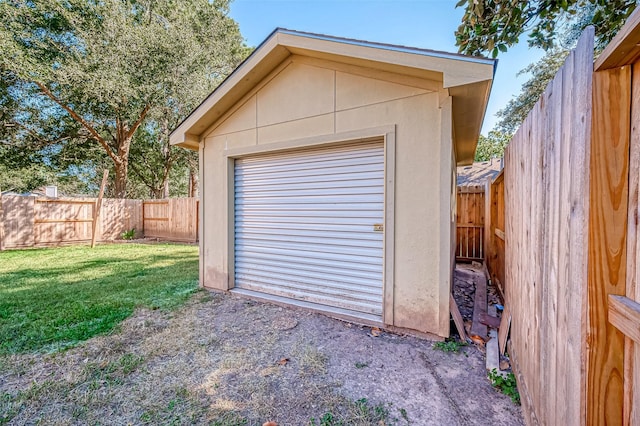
(428, 24)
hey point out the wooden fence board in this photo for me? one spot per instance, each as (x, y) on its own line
(58, 221)
(607, 241)
(631, 413)
(18, 221)
(119, 216)
(577, 303)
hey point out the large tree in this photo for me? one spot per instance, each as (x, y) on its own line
(491, 26)
(492, 145)
(101, 68)
(541, 73)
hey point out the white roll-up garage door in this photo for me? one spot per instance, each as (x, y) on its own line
(308, 226)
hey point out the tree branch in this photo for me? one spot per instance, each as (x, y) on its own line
(141, 176)
(137, 124)
(80, 120)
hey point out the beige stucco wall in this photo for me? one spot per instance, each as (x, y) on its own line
(301, 100)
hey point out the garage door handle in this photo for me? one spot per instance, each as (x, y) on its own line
(378, 227)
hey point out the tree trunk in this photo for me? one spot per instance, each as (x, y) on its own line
(156, 192)
(193, 183)
(165, 186)
(120, 180)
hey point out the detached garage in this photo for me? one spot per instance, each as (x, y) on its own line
(327, 173)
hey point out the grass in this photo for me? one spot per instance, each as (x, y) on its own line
(505, 384)
(51, 299)
(449, 345)
(360, 412)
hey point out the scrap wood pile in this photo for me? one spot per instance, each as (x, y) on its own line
(478, 313)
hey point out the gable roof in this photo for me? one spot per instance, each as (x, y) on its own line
(467, 78)
(478, 173)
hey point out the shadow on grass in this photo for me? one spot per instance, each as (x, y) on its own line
(51, 307)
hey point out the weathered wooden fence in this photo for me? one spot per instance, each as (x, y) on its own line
(572, 241)
(173, 218)
(470, 223)
(547, 203)
(41, 222)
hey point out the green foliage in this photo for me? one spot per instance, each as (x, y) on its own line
(491, 146)
(404, 415)
(230, 419)
(449, 345)
(542, 72)
(88, 74)
(492, 26)
(505, 384)
(129, 235)
(360, 365)
(51, 299)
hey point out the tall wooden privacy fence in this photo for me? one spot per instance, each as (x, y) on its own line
(41, 222)
(572, 241)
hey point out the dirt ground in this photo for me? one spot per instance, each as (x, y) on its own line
(227, 360)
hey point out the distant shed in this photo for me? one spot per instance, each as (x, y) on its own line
(328, 176)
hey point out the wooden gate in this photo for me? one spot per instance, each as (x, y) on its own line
(172, 218)
(470, 223)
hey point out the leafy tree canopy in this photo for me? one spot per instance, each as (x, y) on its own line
(492, 26)
(542, 72)
(492, 145)
(91, 73)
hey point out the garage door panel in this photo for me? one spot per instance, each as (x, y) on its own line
(298, 157)
(317, 244)
(306, 261)
(353, 195)
(314, 297)
(322, 241)
(317, 172)
(286, 234)
(358, 290)
(324, 209)
(249, 185)
(309, 213)
(361, 254)
(304, 226)
(310, 269)
(309, 164)
(329, 223)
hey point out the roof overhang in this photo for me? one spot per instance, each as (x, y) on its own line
(467, 78)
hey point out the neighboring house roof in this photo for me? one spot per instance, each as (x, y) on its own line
(43, 191)
(467, 78)
(478, 173)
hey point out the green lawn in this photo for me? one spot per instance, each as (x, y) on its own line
(54, 298)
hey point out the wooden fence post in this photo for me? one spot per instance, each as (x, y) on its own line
(97, 207)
